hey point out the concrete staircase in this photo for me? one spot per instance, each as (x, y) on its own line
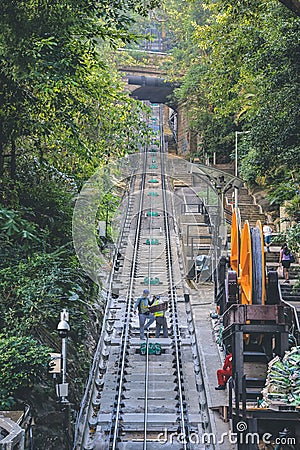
(249, 210)
(290, 293)
(248, 207)
(272, 259)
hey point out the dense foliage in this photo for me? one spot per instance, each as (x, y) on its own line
(63, 113)
(61, 96)
(23, 361)
(238, 63)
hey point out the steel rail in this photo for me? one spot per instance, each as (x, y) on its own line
(125, 330)
(82, 418)
(173, 303)
(150, 245)
(146, 393)
(147, 338)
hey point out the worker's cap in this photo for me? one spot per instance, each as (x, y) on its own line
(146, 291)
(157, 297)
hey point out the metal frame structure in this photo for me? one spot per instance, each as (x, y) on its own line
(256, 325)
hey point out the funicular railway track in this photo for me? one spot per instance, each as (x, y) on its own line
(135, 375)
(150, 401)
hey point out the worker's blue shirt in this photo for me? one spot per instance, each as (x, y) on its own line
(143, 302)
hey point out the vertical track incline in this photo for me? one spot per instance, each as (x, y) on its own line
(133, 400)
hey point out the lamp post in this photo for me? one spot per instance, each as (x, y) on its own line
(220, 186)
(220, 191)
(63, 329)
(236, 164)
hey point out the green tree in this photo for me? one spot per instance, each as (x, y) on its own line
(23, 362)
(241, 72)
(60, 93)
(63, 112)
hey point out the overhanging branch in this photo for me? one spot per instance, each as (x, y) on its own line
(293, 5)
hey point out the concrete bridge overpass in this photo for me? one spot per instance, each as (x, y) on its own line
(149, 83)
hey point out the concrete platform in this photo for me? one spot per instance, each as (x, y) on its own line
(202, 304)
(135, 421)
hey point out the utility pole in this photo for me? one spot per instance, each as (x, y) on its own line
(62, 388)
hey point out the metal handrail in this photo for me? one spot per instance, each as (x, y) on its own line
(146, 393)
(295, 314)
(291, 306)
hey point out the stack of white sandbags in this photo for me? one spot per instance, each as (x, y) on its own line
(283, 379)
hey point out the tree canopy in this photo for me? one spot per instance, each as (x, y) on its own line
(238, 63)
(61, 96)
(63, 113)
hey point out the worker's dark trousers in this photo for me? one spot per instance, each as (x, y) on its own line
(161, 321)
(143, 318)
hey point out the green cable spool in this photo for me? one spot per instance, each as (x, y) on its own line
(153, 349)
(153, 181)
(153, 281)
(143, 348)
(157, 348)
(152, 242)
(153, 194)
(152, 214)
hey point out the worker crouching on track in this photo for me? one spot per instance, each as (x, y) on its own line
(160, 318)
(225, 373)
(142, 305)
